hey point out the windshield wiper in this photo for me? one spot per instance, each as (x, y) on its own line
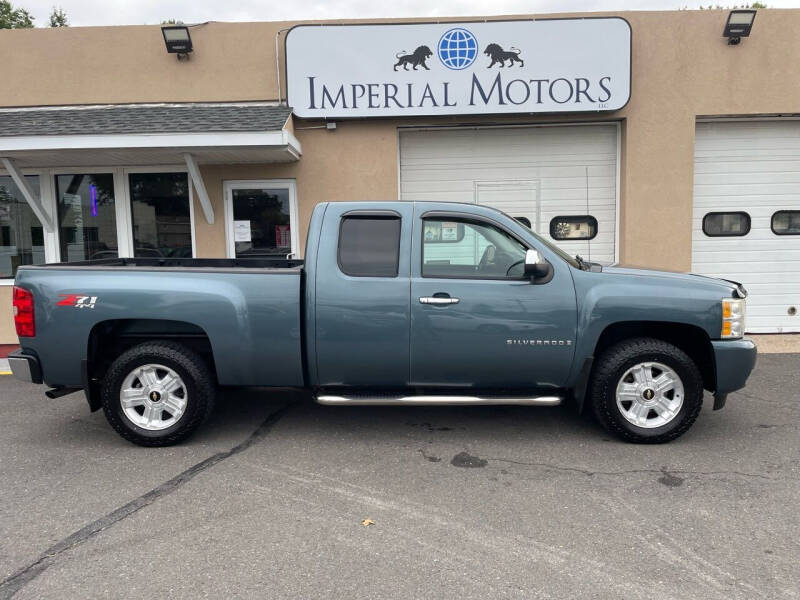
(582, 264)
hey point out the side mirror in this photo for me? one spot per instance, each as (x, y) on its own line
(537, 268)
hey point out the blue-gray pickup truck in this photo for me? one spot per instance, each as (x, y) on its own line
(395, 303)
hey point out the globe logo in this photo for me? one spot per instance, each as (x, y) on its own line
(458, 49)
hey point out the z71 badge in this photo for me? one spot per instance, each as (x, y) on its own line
(77, 301)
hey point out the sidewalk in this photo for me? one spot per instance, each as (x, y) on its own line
(776, 343)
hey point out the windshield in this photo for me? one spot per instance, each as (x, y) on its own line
(570, 259)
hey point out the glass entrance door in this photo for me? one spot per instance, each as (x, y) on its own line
(261, 218)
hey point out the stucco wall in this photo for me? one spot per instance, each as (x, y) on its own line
(356, 161)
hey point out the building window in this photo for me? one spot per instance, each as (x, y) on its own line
(369, 246)
(261, 221)
(483, 252)
(21, 234)
(573, 227)
(786, 222)
(161, 215)
(86, 216)
(722, 224)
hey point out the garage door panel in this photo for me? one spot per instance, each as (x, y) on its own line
(451, 165)
(753, 167)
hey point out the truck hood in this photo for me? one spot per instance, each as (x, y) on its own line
(676, 276)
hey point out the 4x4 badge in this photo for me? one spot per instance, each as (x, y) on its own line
(77, 301)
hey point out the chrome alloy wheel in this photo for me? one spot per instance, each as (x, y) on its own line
(153, 397)
(649, 395)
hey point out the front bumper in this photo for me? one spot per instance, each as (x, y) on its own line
(734, 361)
(25, 366)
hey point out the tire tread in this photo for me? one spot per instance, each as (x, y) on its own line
(603, 378)
(202, 380)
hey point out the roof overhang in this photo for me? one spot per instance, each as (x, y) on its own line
(38, 151)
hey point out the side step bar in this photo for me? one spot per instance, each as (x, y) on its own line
(434, 400)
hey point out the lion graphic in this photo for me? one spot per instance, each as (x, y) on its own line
(498, 55)
(417, 58)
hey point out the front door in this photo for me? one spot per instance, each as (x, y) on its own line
(476, 320)
(261, 218)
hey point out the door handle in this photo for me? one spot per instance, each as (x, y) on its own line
(438, 301)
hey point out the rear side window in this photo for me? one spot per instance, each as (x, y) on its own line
(720, 224)
(369, 246)
(786, 222)
(573, 227)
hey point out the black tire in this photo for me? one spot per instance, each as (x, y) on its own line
(612, 365)
(197, 377)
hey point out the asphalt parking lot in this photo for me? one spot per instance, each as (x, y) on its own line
(485, 502)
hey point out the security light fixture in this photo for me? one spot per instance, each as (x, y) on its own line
(739, 24)
(177, 40)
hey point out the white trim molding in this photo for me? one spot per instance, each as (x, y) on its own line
(277, 139)
(34, 201)
(200, 187)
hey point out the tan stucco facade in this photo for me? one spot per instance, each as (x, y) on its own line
(682, 69)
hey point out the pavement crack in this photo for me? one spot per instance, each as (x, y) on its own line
(661, 471)
(16, 581)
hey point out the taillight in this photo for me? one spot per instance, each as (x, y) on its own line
(24, 319)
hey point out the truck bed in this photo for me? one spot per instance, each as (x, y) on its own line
(260, 262)
(248, 309)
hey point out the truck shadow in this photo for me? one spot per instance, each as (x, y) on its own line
(306, 417)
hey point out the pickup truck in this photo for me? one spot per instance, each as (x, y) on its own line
(395, 303)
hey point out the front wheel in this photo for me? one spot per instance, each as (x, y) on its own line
(646, 391)
(158, 393)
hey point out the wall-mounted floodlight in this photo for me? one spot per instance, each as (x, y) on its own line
(739, 24)
(177, 40)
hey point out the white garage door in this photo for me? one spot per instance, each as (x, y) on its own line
(750, 172)
(561, 178)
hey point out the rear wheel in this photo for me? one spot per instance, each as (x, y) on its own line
(158, 393)
(646, 390)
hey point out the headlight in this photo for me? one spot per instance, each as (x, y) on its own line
(733, 310)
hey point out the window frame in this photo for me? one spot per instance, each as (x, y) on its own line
(127, 212)
(243, 184)
(726, 212)
(466, 217)
(46, 186)
(122, 200)
(51, 176)
(366, 214)
(772, 221)
(574, 218)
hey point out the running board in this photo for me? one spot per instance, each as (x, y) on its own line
(433, 400)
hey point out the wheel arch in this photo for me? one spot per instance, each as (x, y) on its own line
(109, 339)
(691, 339)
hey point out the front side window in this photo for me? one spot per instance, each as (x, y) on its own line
(21, 234)
(162, 224)
(483, 252)
(722, 224)
(87, 218)
(369, 245)
(786, 222)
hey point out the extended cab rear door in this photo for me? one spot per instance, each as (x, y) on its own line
(361, 297)
(476, 321)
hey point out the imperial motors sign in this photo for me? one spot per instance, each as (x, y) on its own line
(426, 69)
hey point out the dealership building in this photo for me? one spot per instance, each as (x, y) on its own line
(645, 138)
